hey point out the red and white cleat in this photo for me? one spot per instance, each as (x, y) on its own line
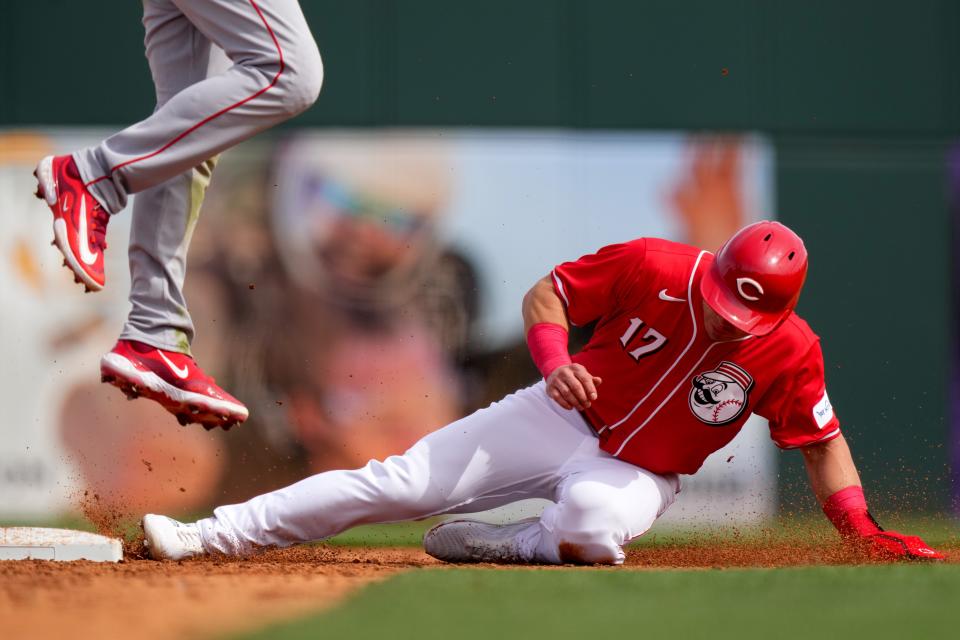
(79, 222)
(174, 380)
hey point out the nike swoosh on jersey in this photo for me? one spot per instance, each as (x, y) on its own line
(88, 256)
(668, 298)
(180, 372)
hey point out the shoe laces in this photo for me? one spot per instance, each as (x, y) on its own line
(188, 533)
(99, 219)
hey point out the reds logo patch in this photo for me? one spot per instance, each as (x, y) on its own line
(719, 397)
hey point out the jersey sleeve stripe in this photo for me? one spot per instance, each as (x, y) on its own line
(829, 436)
(559, 284)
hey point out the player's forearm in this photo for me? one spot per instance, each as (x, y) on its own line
(830, 467)
(836, 483)
(545, 326)
(541, 304)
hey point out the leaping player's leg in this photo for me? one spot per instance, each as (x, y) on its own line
(506, 452)
(159, 327)
(276, 74)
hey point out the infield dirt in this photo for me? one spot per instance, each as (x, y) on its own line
(211, 597)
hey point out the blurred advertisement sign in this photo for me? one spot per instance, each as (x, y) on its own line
(357, 289)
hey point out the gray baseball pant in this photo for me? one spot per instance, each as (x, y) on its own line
(224, 70)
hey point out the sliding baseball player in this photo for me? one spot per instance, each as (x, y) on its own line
(686, 346)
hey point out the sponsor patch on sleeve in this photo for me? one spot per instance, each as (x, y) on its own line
(823, 411)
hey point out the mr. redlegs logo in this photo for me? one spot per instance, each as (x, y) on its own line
(719, 396)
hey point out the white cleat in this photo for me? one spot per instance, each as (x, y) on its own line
(168, 539)
(475, 541)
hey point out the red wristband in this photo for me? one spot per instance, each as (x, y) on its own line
(847, 510)
(548, 346)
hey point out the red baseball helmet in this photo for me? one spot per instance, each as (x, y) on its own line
(755, 280)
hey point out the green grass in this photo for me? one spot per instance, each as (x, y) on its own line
(871, 602)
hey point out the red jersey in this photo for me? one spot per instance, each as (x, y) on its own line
(670, 395)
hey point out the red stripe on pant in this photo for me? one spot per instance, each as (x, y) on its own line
(212, 117)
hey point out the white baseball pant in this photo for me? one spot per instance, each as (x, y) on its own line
(524, 446)
(223, 70)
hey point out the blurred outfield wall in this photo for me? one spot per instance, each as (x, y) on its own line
(860, 98)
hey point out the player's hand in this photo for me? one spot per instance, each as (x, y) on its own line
(887, 545)
(572, 386)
